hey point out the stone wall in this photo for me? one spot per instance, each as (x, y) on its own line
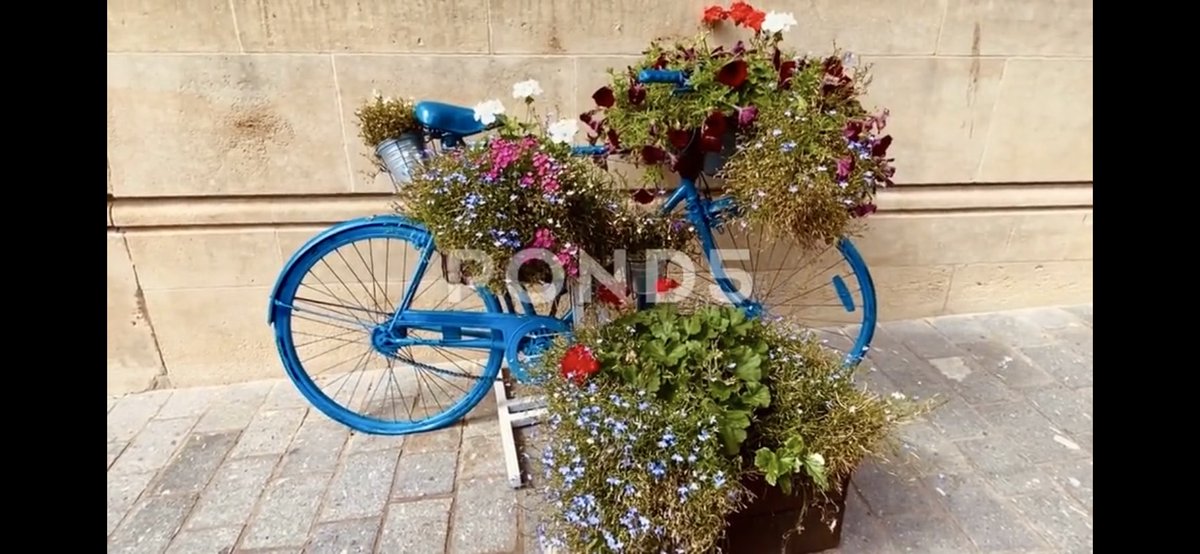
(231, 141)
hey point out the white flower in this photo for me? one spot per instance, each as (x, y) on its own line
(563, 130)
(776, 22)
(526, 89)
(486, 111)
(898, 395)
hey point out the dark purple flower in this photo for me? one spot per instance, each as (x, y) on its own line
(863, 209)
(852, 130)
(881, 147)
(679, 138)
(733, 74)
(739, 48)
(653, 154)
(637, 93)
(604, 97)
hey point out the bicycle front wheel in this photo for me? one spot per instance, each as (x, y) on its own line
(331, 310)
(828, 289)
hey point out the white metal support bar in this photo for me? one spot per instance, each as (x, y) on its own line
(513, 413)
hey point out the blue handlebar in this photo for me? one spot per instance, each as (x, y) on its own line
(588, 150)
(664, 76)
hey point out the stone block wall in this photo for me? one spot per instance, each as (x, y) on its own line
(231, 141)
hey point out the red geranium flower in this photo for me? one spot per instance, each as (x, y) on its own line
(604, 97)
(578, 364)
(739, 11)
(607, 296)
(755, 20)
(714, 14)
(733, 74)
(666, 284)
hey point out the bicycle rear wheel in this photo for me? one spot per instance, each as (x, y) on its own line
(331, 307)
(827, 289)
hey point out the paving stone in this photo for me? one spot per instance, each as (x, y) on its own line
(862, 531)
(1068, 409)
(991, 524)
(361, 487)
(993, 453)
(232, 493)
(1010, 366)
(190, 402)
(286, 512)
(1034, 436)
(481, 457)
(1068, 366)
(112, 401)
(442, 440)
(913, 376)
(482, 419)
(269, 433)
(316, 446)
(114, 450)
(363, 442)
(1083, 312)
(217, 540)
(979, 387)
(922, 339)
(889, 492)
(153, 447)
(235, 406)
(1014, 331)
(925, 533)
(425, 474)
(927, 451)
(132, 412)
(123, 491)
(1046, 318)
(485, 517)
(1075, 477)
(151, 524)
(956, 419)
(1019, 481)
(873, 380)
(344, 537)
(1060, 521)
(418, 527)
(197, 461)
(960, 328)
(284, 395)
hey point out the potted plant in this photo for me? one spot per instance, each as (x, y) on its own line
(787, 134)
(684, 430)
(388, 127)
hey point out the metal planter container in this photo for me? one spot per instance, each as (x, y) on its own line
(401, 156)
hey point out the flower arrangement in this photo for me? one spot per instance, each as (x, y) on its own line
(521, 191)
(510, 194)
(660, 419)
(783, 127)
(381, 118)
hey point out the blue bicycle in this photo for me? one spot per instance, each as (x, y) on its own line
(376, 335)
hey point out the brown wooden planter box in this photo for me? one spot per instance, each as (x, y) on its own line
(768, 523)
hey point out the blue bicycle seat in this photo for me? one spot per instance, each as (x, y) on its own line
(448, 118)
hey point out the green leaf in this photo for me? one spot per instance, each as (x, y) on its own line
(676, 354)
(692, 325)
(814, 465)
(749, 368)
(785, 484)
(757, 396)
(732, 428)
(764, 459)
(720, 390)
(794, 445)
(655, 350)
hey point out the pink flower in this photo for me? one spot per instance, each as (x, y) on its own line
(747, 115)
(543, 238)
(566, 257)
(845, 167)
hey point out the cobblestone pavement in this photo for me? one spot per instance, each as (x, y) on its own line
(1004, 465)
